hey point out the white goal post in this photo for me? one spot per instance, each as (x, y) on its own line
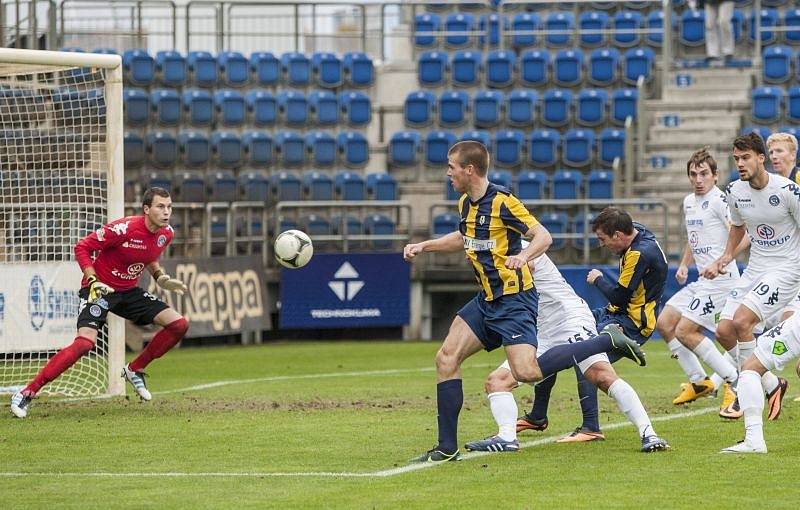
(61, 177)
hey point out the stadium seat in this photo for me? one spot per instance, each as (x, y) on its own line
(222, 186)
(623, 105)
(327, 69)
(769, 19)
(560, 26)
(534, 68)
(638, 62)
(437, 143)
(522, 23)
(567, 184)
(195, 148)
(133, 148)
(358, 69)
(316, 225)
(418, 109)
(568, 67)
(158, 179)
(404, 148)
(465, 68)
(290, 148)
(611, 146)
(531, 185)
(556, 104)
(323, 107)
(254, 186)
(378, 225)
(600, 185)
(793, 105)
(356, 108)
(166, 105)
(349, 186)
(233, 68)
(202, 68)
(453, 107)
(499, 68)
(777, 64)
(578, 147)
(426, 29)
(354, 148)
(137, 107)
(285, 186)
(766, 104)
(230, 107)
(543, 147)
(763, 131)
(458, 28)
(432, 68)
(592, 20)
(266, 68)
(489, 27)
(692, 28)
(603, 67)
(444, 224)
(792, 130)
(226, 149)
(171, 68)
(321, 148)
(199, 107)
(162, 149)
(625, 21)
(655, 21)
(258, 148)
(317, 185)
(293, 107)
(139, 67)
(296, 69)
(348, 226)
(477, 135)
(263, 107)
(583, 223)
(556, 224)
(791, 19)
(381, 186)
(508, 146)
(521, 108)
(590, 107)
(737, 22)
(487, 108)
(189, 186)
(501, 178)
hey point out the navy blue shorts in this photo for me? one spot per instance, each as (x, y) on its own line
(603, 318)
(507, 320)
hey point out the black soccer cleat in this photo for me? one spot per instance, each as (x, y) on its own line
(436, 455)
(625, 346)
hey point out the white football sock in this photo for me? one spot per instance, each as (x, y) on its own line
(745, 350)
(687, 360)
(717, 380)
(629, 403)
(751, 401)
(707, 351)
(504, 410)
(769, 382)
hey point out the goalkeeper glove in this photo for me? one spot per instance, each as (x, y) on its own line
(167, 282)
(97, 289)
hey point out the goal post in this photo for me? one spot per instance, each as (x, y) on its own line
(61, 177)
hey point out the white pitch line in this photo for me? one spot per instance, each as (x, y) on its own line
(329, 474)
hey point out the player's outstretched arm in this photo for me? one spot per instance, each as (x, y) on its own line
(540, 241)
(735, 236)
(447, 243)
(165, 281)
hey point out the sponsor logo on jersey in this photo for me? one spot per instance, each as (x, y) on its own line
(779, 348)
(120, 228)
(764, 231)
(135, 269)
(101, 234)
(693, 238)
(95, 310)
(774, 200)
(470, 243)
(162, 240)
(134, 244)
(705, 205)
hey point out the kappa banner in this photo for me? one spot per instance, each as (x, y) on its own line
(226, 294)
(346, 290)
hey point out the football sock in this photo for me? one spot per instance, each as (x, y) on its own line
(564, 356)
(745, 350)
(707, 351)
(717, 380)
(541, 397)
(164, 340)
(769, 382)
(449, 399)
(630, 405)
(504, 410)
(59, 363)
(751, 400)
(687, 360)
(588, 400)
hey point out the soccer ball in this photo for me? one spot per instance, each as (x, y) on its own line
(293, 249)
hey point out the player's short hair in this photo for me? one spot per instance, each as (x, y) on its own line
(750, 142)
(147, 198)
(783, 137)
(473, 153)
(612, 219)
(702, 156)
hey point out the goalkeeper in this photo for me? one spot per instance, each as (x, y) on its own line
(124, 249)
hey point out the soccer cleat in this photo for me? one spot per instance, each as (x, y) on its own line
(624, 345)
(692, 391)
(137, 381)
(436, 455)
(775, 399)
(582, 435)
(19, 404)
(653, 444)
(728, 396)
(525, 422)
(731, 412)
(493, 444)
(745, 446)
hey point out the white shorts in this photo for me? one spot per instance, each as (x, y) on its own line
(794, 306)
(765, 293)
(780, 345)
(702, 301)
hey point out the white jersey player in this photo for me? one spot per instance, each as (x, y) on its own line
(563, 318)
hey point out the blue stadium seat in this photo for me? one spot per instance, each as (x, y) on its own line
(555, 223)
(592, 20)
(763, 131)
(139, 67)
(501, 178)
(791, 19)
(578, 147)
(327, 69)
(568, 67)
(543, 147)
(195, 148)
(222, 186)
(623, 21)
(560, 25)
(349, 186)
(381, 186)
(489, 26)
(525, 22)
(531, 185)
(199, 107)
(321, 147)
(655, 21)
(777, 64)
(254, 186)
(499, 68)
(293, 107)
(233, 68)
(266, 68)
(404, 148)
(477, 135)
(487, 108)
(323, 107)
(258, 148)
(354, 148)
(437, 143)
(158, 179)
(583, 223)
(508, 146)
(317, 185)
(623, 105)
(737, 20)
(556, 105)
(766, 104)
(296, 69)
(231, 110)
(105, 51)
(432, 68)
(133, 148)
(692, 28)
(263, 107)
(166, 106)
(171, 68)
(426, 28)
(611, 146)
(348, 226)
(189, 186)
(358, 69)
(521, 108)
(793, 105)
(418, 109)
(316, 225)
(226, 149)
(465, 68)
(444, 224)
(202, 68)
(600, 185)
(379, 224)
(769, 19)
(534, 68)
(590, 107)
(567, 184)
(290, 148)
(356, 108)
(638, 62)
(162, 149)
(137, 107)
(603, 68)
(458, 27)
(792, 130)
(453, 107)
(285, 186)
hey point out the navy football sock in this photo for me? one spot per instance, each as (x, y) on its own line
(541, 397)
(449, 399)
(564, 356)
(588, 399)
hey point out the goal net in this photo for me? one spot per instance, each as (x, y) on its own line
(61, 175)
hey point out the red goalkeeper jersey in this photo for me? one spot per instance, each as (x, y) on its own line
(125, 247)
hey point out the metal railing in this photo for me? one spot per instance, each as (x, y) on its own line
(28, 24)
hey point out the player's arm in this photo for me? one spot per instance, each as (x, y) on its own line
(540, 241)
(102, 239)
(683, 268)
(516, 216)
(735, 237)
(634, 266)
(447, 243)
(164, 280)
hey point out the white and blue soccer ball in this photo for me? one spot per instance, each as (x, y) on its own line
(293, 249)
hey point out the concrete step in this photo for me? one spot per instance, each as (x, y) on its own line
(712, 104)
(685, 120)
(656, 132)
(689, 142)
(700, 96)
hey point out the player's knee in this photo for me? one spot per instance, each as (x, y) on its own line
(665, 328)
(179, 326)
(753, 363)
(743, 326)
(685, 328)
(445, 360)
(499, 380)
(527, 374)
(601, 375)
(726, 331)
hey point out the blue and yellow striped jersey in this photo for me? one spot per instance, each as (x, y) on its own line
(492, 229)
(794, 176)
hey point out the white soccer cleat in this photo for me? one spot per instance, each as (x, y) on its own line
(19, 404)
(137, 381)
(746, 447)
